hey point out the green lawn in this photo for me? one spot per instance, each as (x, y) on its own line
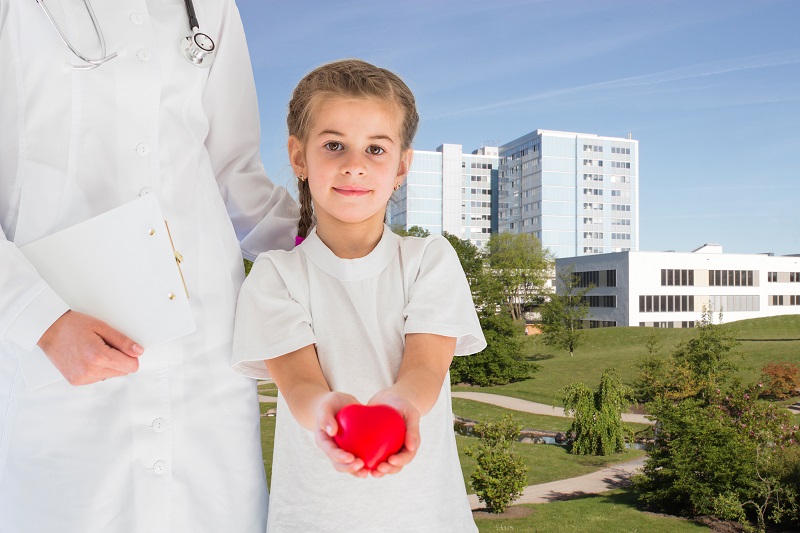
(611, 512)
(763, 340)
(267, 438)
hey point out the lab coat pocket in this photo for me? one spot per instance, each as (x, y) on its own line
(40, 201)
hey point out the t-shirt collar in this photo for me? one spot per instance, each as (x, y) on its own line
(365, 267)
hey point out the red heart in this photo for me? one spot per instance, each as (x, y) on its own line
(370, 432)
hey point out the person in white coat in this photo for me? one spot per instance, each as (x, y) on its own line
(96, 436)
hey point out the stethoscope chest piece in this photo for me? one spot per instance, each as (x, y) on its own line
(199, 49)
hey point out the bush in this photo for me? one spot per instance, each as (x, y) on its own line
(500, 363)
(733, 457)
(500, 475)
(783, 379)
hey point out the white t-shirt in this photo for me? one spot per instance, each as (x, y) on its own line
(357, 312)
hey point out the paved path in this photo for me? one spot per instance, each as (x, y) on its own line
(532, 407)
(603, 480)
(267, 399)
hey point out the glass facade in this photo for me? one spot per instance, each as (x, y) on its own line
(578, 193)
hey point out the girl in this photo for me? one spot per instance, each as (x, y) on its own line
(357, 314)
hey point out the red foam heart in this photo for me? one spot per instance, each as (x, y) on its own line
(370, 432)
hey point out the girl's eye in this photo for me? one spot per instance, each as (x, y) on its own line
(334, 146)
(375, 150)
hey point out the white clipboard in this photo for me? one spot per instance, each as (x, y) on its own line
(120, 267)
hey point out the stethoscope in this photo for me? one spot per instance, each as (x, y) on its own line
(198, 48)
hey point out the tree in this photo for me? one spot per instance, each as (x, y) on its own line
(598, 427)
(652, 370)
(701, 366)
(564, 313)
(783, 379)
(499, 477)
(501, 361)
(521, 266)
(413, 231)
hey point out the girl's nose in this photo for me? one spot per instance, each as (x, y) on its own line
(354, 165)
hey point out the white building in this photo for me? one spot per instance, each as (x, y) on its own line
(578, 193)
(669, 289)
(449, 191)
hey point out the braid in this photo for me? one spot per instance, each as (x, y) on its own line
(306, 209)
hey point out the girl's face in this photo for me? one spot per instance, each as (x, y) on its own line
(353, 157)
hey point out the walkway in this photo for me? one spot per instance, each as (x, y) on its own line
(532, 407)
(603, 480)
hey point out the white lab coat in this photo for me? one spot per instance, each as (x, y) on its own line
(174, 447)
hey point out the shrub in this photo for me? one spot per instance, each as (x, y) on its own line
(783, 379)
(499, 477)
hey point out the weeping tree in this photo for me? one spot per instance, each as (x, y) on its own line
(597, 426)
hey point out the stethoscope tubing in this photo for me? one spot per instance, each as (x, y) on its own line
(92, 63)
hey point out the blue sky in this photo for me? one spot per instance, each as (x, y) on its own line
(710, 88)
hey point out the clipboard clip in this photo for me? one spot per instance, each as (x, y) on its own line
(178, 259)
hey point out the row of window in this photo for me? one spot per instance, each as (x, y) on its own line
(621, 236)
(730, 278)
(592, 278)
(615, 150)
(593, 177)
(592, 163)
(620, 222)
(619, 164)
(597, 192)
(592, 148)
(602, 324)
(601, 301)
(665, 303)
(783, 277)
(734, 302)
(780, 299)
(620, 207)
(480, 165)
(592, 234)
(670, 276)
(683, 324)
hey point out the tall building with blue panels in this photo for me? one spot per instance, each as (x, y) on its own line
(577, 192)
(449, 191)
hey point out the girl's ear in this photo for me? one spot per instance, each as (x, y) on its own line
(404, 166)
(297, 156)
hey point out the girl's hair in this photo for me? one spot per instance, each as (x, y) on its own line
(348, 78)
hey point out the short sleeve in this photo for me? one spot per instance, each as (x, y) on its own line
(440, 300)
(269, 321)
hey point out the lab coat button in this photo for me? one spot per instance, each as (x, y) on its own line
(137, 19)
(142, 149)
(143, 54)
(159, 467)
(145, 190)
(159, 424)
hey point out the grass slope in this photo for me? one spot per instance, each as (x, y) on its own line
(762, 340)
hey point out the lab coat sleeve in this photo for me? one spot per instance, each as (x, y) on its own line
(28, 306)
(264, 216)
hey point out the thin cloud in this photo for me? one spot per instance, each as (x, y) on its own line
(702, 70)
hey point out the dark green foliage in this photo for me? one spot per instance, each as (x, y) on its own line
(499, 477)
(500, 362)
(564, 313)
(598, 427)
(725, 456)
(247, 266)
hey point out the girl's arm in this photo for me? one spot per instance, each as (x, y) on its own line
(426, 360)
(312, 403)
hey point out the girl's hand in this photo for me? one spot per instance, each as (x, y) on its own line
(395, 463)
(327, 427)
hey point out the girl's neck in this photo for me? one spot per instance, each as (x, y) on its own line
(349, 241)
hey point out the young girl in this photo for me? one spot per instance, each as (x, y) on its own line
(357, 314)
